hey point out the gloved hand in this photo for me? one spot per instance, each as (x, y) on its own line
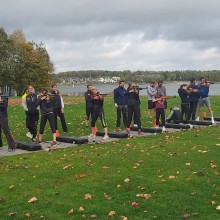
(116, 105)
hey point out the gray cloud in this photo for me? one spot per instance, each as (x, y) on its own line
(120, 34)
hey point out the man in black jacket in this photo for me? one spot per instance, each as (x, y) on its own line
(89, 104)
(4, 124)
(29, 100)
(58, 108)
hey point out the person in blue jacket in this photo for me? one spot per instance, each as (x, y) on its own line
(204, 99)
(193, 99)
(120, 99)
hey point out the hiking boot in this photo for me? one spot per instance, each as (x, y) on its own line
(29, 135)
(105, 137)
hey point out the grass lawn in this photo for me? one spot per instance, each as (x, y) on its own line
(167, 176)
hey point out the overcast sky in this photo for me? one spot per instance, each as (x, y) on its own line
(120, 34)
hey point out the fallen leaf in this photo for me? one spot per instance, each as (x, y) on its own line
(126, 180)
(81, 175)
(145, 196)
(27, 215)
(12, 214)
(105, 167)
(218, 207)
(67, 166)
(134, 204)
(186, 216)
(81, 208)
(123, 217)
(11, 187)
(187, 164)
(93, 216)
(71, 211)
(111, 214)
(33, 200)
(88, 196)
(172, 177)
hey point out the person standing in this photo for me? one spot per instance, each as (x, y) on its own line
(98, 112)
(4, 124)
(160, 110)
(29, 100)
(151, 92)
(89, 104)
(58, 107)
(45, 103)
(162, 90)
(120, 100)
(133, 103)
(204, 99)
(193, 99)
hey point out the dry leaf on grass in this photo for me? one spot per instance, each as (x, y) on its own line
(87, 196)
(12, 214)
(111, 214)
(81, 175)
(145, 196)
(134, 204)
(126, 180)
(67, 166)
(33, 200)
(71, 211)
(27, 215)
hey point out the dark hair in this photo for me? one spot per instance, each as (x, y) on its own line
(53, 85)
(192, 80)
(183, 86)
(160, 81)
(201, 78)
(88, 86)
(121, 81)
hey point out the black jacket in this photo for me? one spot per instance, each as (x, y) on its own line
(31, 100)
(45, 106)
(132, 97)
(3, 108)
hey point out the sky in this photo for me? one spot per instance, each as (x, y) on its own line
(117, 35)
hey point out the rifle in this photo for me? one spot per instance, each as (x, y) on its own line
(138, 88)
(163, 98)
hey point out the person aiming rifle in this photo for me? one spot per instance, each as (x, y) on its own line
(58, 107)
(4, 124)
(203, 88)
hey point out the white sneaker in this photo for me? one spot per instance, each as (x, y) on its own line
(197, 119)
(213, 122)
(29, 135)
(163, 129)
(135, 125)
(91, 136)
(105, 137)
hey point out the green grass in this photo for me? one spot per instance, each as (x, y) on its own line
(179, 170)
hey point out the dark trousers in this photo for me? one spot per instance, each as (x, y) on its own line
(192, 110)
(6, 130)
(57, 112)
(160, 113)
(98, 114)
(185, 112)
(134, 111)
(31, 123)
(122, 110)
(43, 121)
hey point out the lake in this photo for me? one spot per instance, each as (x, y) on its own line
(172, 89)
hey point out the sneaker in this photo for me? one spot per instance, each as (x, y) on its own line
(139, 132)
(34, 140)
(54, 144)
(11, 149)
(197, 119)
(213, 122)
(163, 129)
(135, 125)
(29, 135)
(105, 137)
(91, 136)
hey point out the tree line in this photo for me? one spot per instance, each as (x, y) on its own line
(143, 76)
(23, 62)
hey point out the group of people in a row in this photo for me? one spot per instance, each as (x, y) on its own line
(51, 106)
(127, 103)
